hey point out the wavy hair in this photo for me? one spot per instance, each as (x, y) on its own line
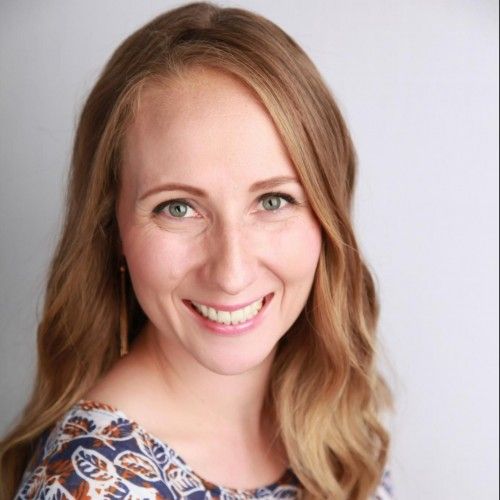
(326, 394)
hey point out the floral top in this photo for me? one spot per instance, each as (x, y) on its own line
(95, 451)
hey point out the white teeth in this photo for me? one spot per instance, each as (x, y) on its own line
(223, 317)
(212, 314)
(230, 318)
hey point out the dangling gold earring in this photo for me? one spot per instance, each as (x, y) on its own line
(123, 314)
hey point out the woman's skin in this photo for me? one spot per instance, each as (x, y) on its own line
(200, 392)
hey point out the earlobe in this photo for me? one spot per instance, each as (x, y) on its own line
(122, 261)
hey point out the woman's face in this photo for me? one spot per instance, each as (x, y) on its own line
(199, 223)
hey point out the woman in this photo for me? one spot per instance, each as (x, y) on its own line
(209, 325)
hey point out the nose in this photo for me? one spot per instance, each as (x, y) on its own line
(232, 260)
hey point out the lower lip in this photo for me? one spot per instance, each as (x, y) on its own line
(230, 330)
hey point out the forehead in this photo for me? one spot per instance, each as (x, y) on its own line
(202, 122)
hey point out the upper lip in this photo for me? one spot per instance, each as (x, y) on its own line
(229, 308)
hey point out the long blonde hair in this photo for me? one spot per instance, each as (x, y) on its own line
(325, 392)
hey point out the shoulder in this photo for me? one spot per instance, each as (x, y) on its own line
(94, 451)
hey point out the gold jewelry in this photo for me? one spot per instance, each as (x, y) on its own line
(123, 314)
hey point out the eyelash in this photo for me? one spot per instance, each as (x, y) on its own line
(288, 198)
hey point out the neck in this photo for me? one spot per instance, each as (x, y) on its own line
(208, 403)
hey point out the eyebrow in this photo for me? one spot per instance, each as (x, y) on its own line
(256, 186)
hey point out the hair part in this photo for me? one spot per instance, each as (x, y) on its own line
(325, 394)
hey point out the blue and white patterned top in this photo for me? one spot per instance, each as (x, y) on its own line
(96, 451)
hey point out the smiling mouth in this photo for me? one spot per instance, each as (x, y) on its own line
(237, 317)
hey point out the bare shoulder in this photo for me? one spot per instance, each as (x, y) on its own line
(115, 387)
(129, 387)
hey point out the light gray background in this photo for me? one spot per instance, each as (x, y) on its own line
(417, 82)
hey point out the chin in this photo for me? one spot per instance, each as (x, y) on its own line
(235, 364)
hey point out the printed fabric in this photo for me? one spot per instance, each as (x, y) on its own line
(95, 451)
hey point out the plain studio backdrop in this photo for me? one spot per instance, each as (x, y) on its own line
(417, 82)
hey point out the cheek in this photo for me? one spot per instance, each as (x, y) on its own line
(295, 250)
(156, 260)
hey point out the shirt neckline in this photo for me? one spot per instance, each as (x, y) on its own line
(287, 478)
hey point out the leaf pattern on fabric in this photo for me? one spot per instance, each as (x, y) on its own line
(184, 482)
(118, 429)
(92, 465)
(154, 450)
(55, 491)
(235, 495)
(385, 489)
(285, 492)
(263, 493)
(59, 470)
(78, 426)
(88, 406)
(95, 451)
(116, 491)
(138, 465)
(82, 491)
(33, 484)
